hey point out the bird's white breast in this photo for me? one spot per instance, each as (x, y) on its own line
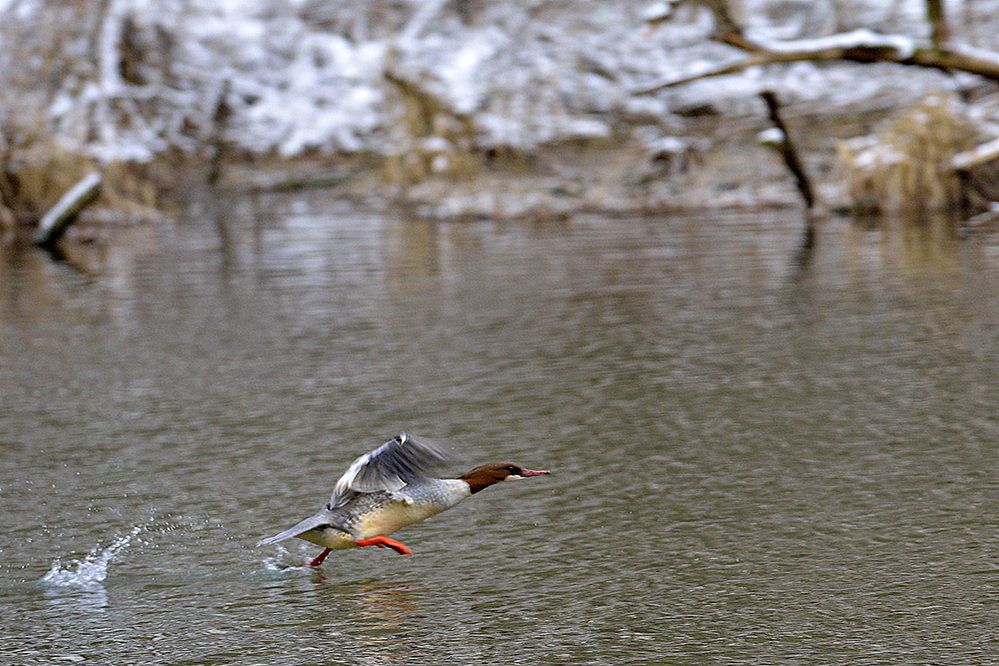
(415, 502)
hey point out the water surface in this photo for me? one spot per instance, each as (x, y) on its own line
(756, 460)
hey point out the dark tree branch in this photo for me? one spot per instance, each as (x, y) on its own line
(940, 34)
(787, 151)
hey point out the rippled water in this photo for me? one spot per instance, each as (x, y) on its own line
(756, 460)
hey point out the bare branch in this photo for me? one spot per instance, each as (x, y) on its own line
(976, 157)
(787, 150)
(940, 34)
(861, 46)
(731, 68)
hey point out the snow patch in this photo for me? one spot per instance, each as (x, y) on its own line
(903, 46)
(522, 75)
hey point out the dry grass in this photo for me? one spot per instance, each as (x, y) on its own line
(902, 167)
(39, 171)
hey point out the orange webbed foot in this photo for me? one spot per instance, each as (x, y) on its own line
(385, 542)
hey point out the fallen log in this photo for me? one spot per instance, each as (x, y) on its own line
(55, 222)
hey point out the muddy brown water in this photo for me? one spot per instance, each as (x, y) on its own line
(755, 461)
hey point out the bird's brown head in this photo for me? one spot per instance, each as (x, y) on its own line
(484, 476)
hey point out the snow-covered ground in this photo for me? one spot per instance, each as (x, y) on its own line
(130, 79)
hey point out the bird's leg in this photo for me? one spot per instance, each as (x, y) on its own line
(320, 557)
(385, 542)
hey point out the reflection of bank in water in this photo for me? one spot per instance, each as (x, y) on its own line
(909, 246)
(386, 605)
(377, 613)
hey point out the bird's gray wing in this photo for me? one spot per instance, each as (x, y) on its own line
(389, 467)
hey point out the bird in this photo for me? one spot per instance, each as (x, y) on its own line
(385, 490)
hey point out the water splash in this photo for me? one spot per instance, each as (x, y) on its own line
(281, 562)
(91, 570)
(274, 564)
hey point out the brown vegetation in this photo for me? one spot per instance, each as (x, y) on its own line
(903, 166)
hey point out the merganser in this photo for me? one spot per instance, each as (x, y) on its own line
(385, 490)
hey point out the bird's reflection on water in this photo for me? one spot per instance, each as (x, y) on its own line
(374, 613)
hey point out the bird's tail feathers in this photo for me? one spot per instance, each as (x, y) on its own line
(304, 526)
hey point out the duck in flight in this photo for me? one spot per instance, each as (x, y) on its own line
(385, 490)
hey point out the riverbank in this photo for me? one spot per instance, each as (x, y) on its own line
(617, 176)
(718, 164)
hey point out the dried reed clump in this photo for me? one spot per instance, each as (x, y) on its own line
(42, 172)
(904, 167)
(38, 171)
